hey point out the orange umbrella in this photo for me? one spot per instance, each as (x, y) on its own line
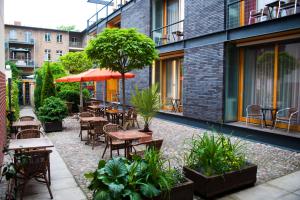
(93, 75)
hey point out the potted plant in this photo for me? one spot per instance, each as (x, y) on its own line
(52, 113)
(216, 165)
(147, 104)
(139, 178)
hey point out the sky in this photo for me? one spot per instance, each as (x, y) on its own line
(49, 13)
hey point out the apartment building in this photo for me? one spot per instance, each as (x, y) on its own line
(216, 57)
(30, 47)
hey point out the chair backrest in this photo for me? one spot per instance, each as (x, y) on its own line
(134, 114)
(155, 144)
(111, 128)
(32, 163)
(26, 118)
(291, 111)
(36, 127)
(85, 114)
(29, 133)
(253, 109)
(98, 127)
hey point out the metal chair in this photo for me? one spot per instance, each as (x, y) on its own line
(288, 116)
(112, 143)
(258, 14)
(30, 133)
(95, 132)
(26, 118)
(254, 112)
(290, 4)
(84, 126)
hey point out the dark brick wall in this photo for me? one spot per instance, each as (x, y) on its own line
(99, 89)
(203, 17)
(137, 15)
(203, 82)
(2, 114)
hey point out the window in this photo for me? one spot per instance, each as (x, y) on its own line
(12, 34)
(47, 37)
(47, 56)
(59, 53)
(74, 39)
(28, 36)
(59, 38)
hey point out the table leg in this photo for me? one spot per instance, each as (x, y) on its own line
(264, 118)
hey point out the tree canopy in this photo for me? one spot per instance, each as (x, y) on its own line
(48, 88)
(76, 62)
(67, 27)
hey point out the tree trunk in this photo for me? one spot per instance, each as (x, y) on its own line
(123, 99)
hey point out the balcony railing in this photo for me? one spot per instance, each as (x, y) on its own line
(16, 40)
(247, 12)
(75, 44)
(22, 62)
(168, 34)
(105, 11)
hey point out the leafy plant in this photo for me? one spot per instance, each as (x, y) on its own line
(48, 88)
(122, 50)
(73, 96)
(53, 109)
(120, 178)
(38, 89)
(76, 62)
(147, 103)
(214, 155)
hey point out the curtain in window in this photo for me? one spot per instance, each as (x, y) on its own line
(288, 90)
(258, 77)
(172, 17)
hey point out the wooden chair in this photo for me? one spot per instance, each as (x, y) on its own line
(26, 118)
(258, 14)
(84, 126)
(95, 132)
(254, 112)
(155, 144)
(112, 143)
(131, 118)
(35, 167)
(30, 133)
(288, 116)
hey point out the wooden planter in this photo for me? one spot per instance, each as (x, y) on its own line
(179, 192)
(52, 126)
(211, 186)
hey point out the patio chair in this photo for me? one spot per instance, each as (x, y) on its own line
(112, 143)
(84, 126)
(258, 14)
(95, 132)
(290, 4)
(155, 144)
(26, 118)
(254, 112)
(30, 133)
(35, 167)
(288, 116)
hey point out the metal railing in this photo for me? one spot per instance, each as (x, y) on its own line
(17, 40)
(168, 34)
(22, 62)
(105, 11)
(247, 12)
(75, 44)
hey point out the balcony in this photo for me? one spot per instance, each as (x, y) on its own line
(168, 34)
(111, 7)
(19, 41)
(247, 12)
(75, 44)
(23, 62)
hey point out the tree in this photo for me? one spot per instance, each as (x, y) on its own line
(38, 89)
(76, 62)
(67, 28)
(15, 72)
(122, 50)
(48, 88)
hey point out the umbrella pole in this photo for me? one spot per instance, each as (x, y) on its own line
(81, 98)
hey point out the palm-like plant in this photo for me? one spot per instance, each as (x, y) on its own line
(147, 104)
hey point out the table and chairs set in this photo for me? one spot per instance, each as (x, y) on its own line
(287, 116)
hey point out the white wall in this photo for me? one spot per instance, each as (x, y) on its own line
(2, 62)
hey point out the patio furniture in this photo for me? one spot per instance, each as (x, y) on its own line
(155, 144)
(36, 167)
(275, 4)
(84, 125)
(31, 143)
(272, 113)
(258, 14)
(288, 116)
(29, 133)
(23, 125)
(26, 118)
(290, 4)
(96, 131)
(111, 142)
(254, 112)
(114, 115)
(177, 35)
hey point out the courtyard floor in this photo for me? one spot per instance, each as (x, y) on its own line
(272, 162)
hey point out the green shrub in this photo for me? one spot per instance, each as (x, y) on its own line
(14, 99)
(120, 178)
(38, 90)
(48, 88)
(214, 155)
(70, 96)
(53, 109)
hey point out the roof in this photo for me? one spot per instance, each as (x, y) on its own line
(40, 28)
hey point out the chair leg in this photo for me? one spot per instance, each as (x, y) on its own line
(49, 173)
(110, 152)
(137, 123)
(118, 152)
(288, 130)
(275, 125)
(246, 121)
(104, 150)
(93, 142)
(48, 186)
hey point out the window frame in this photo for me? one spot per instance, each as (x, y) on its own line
(47, 37)
(47, 55)
(59, 38)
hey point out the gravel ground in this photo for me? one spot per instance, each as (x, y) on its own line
(272, 162)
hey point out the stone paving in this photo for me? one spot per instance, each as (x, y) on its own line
(272, 162)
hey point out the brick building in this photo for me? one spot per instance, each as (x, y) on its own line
(216, 57)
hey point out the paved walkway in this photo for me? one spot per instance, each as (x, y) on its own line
(63, 184)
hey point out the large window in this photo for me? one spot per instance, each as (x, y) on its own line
(59, 38)
(47, 37)
(12, 34)
(28, 36)
(47, 55)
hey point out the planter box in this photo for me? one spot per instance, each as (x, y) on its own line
(52, 126)
(179, 192)
(211, 186)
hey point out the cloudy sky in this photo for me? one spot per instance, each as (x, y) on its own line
(49, 13)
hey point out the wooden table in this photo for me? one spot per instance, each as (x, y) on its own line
(31, 143)
(93, 119)
(272, 111)
(128, 137)
(97, 109)
(20, 124)
(113, 116)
